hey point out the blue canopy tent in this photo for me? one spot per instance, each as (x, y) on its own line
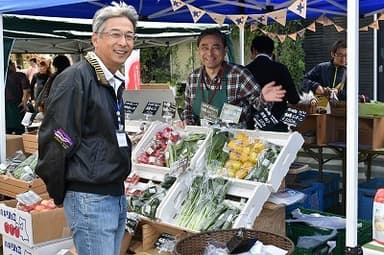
(161, 10)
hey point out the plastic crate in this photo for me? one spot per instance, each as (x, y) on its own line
(330, 183)
(313, 198)
(297, 229)
(366, 194)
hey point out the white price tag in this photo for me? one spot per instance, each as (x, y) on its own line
(230, 113)
(26, 121)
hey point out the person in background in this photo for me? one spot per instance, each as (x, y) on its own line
(17, 93)
(60, 62)
(84, 153)
(329, 78)
(32, 69)
(41, 77)
(217, 82)
(266, 70)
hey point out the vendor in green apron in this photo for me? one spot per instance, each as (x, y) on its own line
(217, 82)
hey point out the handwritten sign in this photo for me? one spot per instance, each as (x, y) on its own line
(230, 113)
(178, 167)
(208, 112)
(168, 109)
(264, 118)
(151, 108)
(130, 107)
(293, 117)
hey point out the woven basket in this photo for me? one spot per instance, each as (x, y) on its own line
(196, 243)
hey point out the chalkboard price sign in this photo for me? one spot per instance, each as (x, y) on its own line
(130, 107)
(264, 118)
(293, 117)
(151, 108)
(168, 109)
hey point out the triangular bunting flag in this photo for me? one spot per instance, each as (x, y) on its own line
(279, 16)
(324, 20)
(281, 38)
(253, 27)
(339, 28)
(301, 32)
(176, 4)
(299, 7)
(218, 18)
(195, 12)
(312, 27)
(239, 20)
(261, 18)
(293, 36)
(374, 25)
(365, 28)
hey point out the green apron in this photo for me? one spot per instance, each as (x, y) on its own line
(216, 98)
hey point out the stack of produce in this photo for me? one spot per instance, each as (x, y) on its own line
(241, 156)
(21, 167)
(168, 146)
(144, 199)
(205, 208)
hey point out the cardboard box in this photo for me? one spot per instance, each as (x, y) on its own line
(11, 187)
(370, 132)
(30, 142)
(316, 125)
(271, 219)
(12, 247)
(31, 229)
(13, 143)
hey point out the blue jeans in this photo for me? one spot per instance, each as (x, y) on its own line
(97, 222)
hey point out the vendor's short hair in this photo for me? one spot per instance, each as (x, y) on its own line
(263, 44)
(339, 44)
(212, 31)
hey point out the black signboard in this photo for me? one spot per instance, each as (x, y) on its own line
(293, 117)
(264, 118)
(168, 109)
(130, 107)
(151, 108)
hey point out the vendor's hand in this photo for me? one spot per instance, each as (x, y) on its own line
(180, 123)
(272, 92)
(23, 105)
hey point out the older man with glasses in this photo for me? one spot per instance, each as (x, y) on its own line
(84, 153)
(329, 78)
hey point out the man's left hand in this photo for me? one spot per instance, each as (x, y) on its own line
(273, 93)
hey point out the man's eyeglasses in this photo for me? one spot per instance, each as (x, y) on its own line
(117, 35)
(340, 55)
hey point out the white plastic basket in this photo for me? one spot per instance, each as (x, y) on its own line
(151, 132)
(254, 194)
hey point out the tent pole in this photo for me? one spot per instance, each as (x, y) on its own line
(352, 122)
(375, 69)
(2, 95)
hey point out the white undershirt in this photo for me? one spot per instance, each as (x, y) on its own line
(111, 78)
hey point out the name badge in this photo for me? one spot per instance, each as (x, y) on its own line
(121, 139)
(208, 112)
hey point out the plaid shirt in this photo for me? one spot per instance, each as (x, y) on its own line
(242, 88)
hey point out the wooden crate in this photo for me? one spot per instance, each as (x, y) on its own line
(30, 142)
(10, 186)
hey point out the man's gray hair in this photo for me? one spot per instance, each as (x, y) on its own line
(108, 12)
